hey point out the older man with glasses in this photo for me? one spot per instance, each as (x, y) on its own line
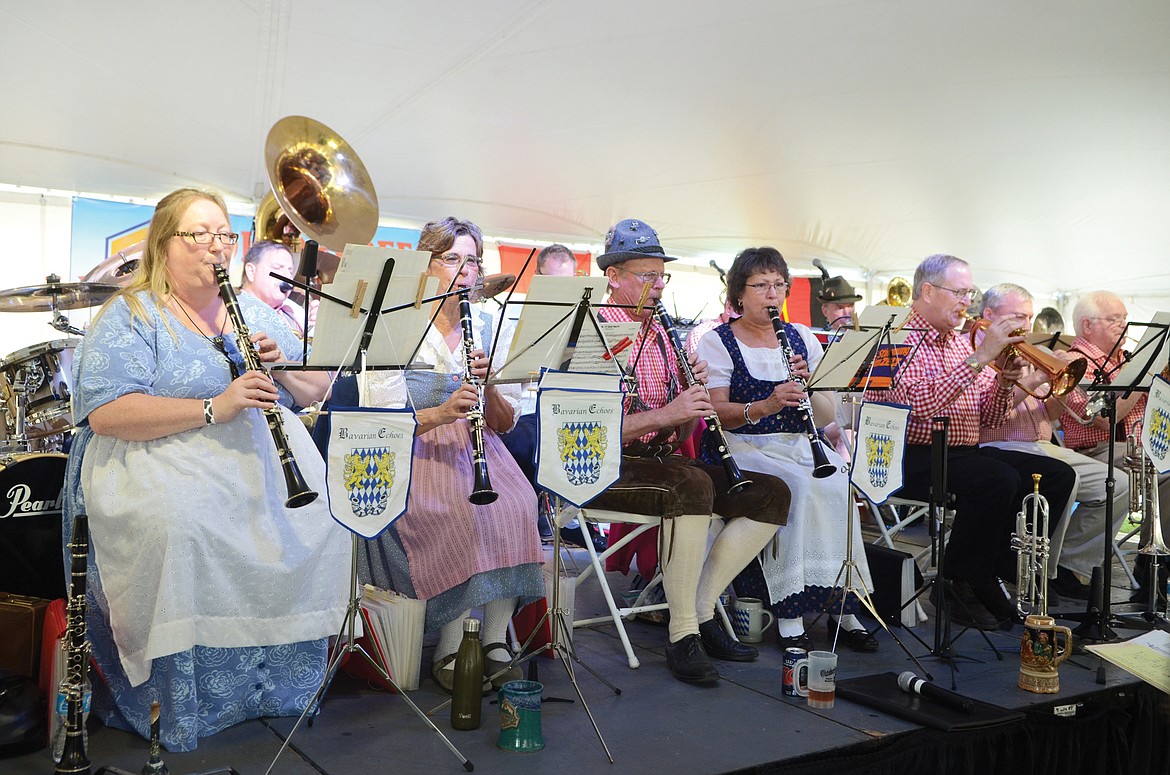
(1100, 319)
(948, 377)
(658, 482)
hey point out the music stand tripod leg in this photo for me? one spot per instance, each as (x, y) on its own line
(347, 644)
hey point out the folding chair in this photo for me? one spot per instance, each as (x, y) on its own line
(618, 614)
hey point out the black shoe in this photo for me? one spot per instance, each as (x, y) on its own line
(857, 640)
(719, 645)
(801, 641)
(1066, 584)
(965, 607)
(688, 662)
(998, 604)
(571, 534)
(543, 527)
(600, 542)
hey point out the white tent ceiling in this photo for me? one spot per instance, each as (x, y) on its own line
(1032, 138)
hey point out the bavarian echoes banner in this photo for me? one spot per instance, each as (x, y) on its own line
(879, 450)
(368, 467)
(1156, 425)
(579, 435)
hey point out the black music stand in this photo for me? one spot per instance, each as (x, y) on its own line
(566, 331)
(1098, 620)
(857, 379)
(346, 643)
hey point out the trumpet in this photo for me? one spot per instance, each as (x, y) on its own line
(481, 491)
(822, 466)
(299, 493)
(1061, 377)
(714, 427)
(1030, 541)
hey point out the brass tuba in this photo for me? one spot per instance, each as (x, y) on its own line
(899, 292)
(320, 188)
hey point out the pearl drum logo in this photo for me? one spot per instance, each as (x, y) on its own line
(582, 449)
(879, 454)
(369, 475)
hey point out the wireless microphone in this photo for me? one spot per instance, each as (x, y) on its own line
(912, 684)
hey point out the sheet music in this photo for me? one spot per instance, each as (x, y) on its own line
(591, 355)
(1151, 350)
(551, 324)
(1146, 656)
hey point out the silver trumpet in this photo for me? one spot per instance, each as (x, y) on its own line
(1030, 542)
(1143, 497)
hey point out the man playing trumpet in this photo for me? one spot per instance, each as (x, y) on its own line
(1028, 428)
(948, 377)
(1100, 318)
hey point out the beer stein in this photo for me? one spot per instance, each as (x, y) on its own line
(1040, 654)
(748, 619)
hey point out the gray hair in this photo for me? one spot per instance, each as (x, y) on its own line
(996, 295)
(1089, 306)
(933, 270)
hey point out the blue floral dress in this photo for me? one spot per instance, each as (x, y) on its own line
(204, 592)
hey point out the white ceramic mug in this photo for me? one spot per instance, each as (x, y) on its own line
(821, 686)
(748, 619)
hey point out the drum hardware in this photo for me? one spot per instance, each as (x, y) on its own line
(35, 391)
(492, 285)
(55, 295)
(119, 268)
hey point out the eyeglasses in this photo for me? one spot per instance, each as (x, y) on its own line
(649, 277)
(452, 260)
(779, 287)
(960, 293)
(1114, 319)
(207, 237)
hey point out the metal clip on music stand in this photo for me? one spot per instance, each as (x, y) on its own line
(848, 368)
(360, 323)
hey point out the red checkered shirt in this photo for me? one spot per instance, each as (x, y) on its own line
(1077, 436)
(1026, 421)
(654, 364)
(935, 382)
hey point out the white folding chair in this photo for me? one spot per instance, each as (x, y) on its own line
(618, 614)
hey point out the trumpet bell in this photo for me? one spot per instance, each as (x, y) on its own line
(320, 183)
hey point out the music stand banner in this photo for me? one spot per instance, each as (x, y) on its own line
(1156, 425)
(880, 450)
(579, 438)
(368, 465)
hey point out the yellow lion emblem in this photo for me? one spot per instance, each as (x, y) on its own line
(353, 471)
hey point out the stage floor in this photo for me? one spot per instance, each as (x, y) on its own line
(655, 725)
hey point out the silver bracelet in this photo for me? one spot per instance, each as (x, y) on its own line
(208, 412)
(746, 417)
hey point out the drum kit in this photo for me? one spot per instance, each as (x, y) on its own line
(36, 385)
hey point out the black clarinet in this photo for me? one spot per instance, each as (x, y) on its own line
(298, 490)
(73, 683)
(482, 492)
(821, 465)
(714, 427)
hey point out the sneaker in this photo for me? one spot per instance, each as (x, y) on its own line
(1066, 584)
(965, 607)
(719, 645)
(689, 663)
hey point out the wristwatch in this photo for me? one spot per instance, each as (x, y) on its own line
(973, 362)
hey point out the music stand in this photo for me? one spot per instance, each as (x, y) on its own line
(344, 327)
(1134, 375)
(849, 368)
(556, 330)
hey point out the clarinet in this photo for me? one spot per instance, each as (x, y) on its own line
(298, 491)
(714, 427)
(74, 684)
(482, 492)
(821, 465)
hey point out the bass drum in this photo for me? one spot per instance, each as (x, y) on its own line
(46, 372)
(31, 493)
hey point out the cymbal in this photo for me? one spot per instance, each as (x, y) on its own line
(495, 284)
(55, 295)
(119, 268)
